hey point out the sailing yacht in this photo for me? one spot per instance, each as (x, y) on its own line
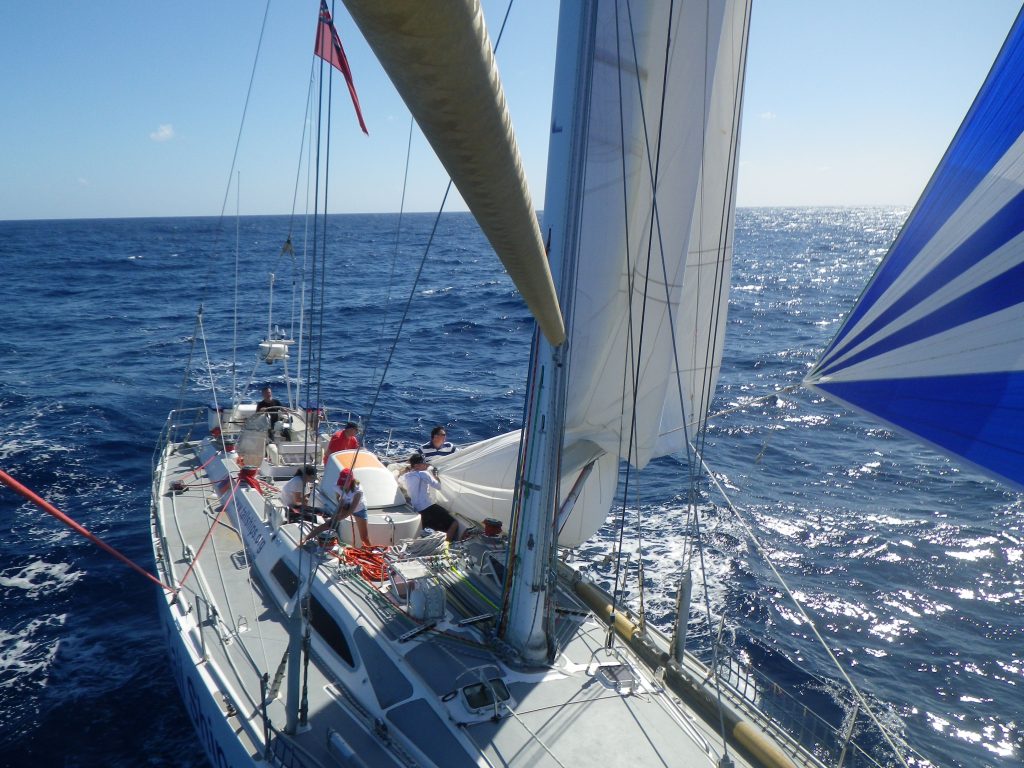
(403, 650)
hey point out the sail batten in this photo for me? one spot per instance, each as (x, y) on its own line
(935, 345)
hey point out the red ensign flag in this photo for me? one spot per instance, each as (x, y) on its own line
(328, 47)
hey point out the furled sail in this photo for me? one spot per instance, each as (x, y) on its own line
(935, 345)
(655, 250)
(439, 57)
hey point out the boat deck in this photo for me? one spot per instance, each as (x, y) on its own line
(403, 695)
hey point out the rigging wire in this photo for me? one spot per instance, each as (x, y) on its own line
(708, 353)
(630, 366)
(394, 253)
(419, 271)
(188, 364)
(655, 229)
(323, 139)
(234, 322)
(763, 552)
(245, 108)
(238, 138)
(298, 272)
(405, 311)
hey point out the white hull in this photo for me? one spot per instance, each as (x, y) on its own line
(224, 747)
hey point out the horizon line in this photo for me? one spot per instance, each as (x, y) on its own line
(819, 206)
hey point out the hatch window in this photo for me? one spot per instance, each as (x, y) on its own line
(480, 696)
(284, 576)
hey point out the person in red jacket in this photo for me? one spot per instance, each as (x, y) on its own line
(343, 440)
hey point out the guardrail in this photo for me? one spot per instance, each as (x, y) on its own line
(854, 743)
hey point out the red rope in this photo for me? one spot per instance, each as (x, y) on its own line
(248, 476)
(46, 506)
(370, 561)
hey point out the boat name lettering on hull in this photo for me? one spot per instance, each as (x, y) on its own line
(251, 525)
(202, 724)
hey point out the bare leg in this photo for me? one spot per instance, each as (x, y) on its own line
(364, 531)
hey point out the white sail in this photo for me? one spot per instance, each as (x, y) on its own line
(657, 223)
(478, 482)
(656, 253)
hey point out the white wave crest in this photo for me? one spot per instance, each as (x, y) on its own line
(39, 577)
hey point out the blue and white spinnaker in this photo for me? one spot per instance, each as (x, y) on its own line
(935, 345)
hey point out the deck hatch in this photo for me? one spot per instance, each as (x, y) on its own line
(481, 696)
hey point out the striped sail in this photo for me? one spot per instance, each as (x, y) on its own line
(935, 345)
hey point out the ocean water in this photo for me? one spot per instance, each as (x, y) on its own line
(911, 567)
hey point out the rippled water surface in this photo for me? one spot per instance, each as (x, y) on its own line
(910, 567)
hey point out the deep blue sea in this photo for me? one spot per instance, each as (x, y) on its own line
(911, 567)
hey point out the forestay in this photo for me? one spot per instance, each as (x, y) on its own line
(935, 346)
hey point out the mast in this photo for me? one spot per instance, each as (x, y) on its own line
(527, 625)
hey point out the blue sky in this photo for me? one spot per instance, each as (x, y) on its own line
(120, 108)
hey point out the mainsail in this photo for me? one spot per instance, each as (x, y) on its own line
(655, 254)
(935, 345)
(657, 224)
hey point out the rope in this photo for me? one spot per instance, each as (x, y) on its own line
(46, 506)
(370, 561)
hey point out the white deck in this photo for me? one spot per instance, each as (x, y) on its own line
(393, 701)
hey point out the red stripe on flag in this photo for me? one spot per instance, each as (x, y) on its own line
(328, 47)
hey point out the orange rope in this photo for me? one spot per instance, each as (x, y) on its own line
(370, 561)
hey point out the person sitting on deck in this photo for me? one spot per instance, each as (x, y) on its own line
(417, 479)
(437, 445)
(343, 440)
(274, 408)
(294, 495)
(350, 502)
